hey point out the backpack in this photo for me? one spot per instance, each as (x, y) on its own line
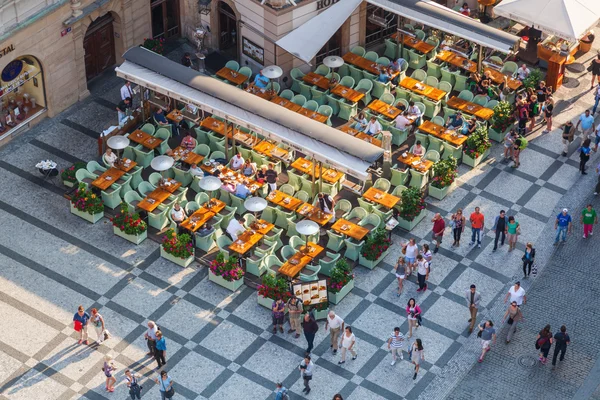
(524, 143)
(285, 396)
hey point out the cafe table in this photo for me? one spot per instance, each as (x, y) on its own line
(449, 135)
(422, 89)
(108, 177)
(416, 162)
(498, 78)
(175, 116)
(186, 156)
(306, 167)
(266, 94)
(284, 200)
(360, 135)
(350, 229)
(470, 108)
(245, 241)
(231, 76)
(203, 215)
(312, 115)
(384, 109)
(286, 103)
(301, 259)
(362, 63)
(170, 185)
(226, 174)
(148, 141)
(311, 212)
(246, 138)
(271, 150)
(456, 60)
(261, 226)
(353, 96)
(125, 164)
(312, 78)
(216, 125)
(153, 199)
(380, 197)
(414, 43)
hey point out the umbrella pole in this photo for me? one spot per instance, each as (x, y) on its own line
(479, 58)
(314, 173)
(233, 141)
(227, 125)
(320, 176)
(400, 38)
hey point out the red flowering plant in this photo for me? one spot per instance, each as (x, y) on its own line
(274, 288)
(68, 174)
(504, 116)
(411, 204)
(127, 223)
(86, 201)
(155, 45)
(444, 172)
(375, 245)
(477, 143)
(179, 246)
(341, 274)
(228, 269)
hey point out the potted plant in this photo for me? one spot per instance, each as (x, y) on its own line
(271, 289)
(374, 250)
(129, 227)
(476, 147)
(412, 208)
(341, 281)
(68, 175)
(321, 310)
(155, 45)
(444, 174)
(502, 121)
(533, 79)
(226, 272)
(87, 205)
(177, 248)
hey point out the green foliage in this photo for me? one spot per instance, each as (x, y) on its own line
(411, 204)
(444, 172)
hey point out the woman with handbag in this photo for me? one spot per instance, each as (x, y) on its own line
(513, 230)
(80, 324)
(401, 270)
(528, 259)
(543, 342)
(594, 68)
(412, 312)
(98, 322)
(417, 355)
(165, 385)
(135, 390)
(108, 369)
(161, 350)
(457, 222)
(514, 315)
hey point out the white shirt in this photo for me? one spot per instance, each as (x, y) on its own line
(235, 228)
(151, 332)
(348, 340)
(516, 295)
(373, 128)
(414, 110)
(335, 323)
(110, 159)
(177, 215)
(412, 251)
(197, 172)
(402, 122)
(126, 92)
(523, 73)
(237, 162)
(422, 267)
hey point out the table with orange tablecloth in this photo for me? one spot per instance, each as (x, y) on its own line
(125, 164)
(203, 215)
(231, 76)
(216, 125)
(271, 150)
(470, 108)
(175, 116)
(362, 63)
(108, 177)
(245, 241)
(153, 199)
(312, 115)
(312, 78)
(421, 88)
(187, 156)
(380, 197)
(347, 93)
(306, 167)
(456, 60)
(350, 229)
(261, 226)
(284, 200)
(414, 43)
(451, 136)
(283, 102)
(415, 162)
(266, 94)
(361, 135)
(384, 109)
(311, 212)
(498, 78)
(148, 141)
(301, 259)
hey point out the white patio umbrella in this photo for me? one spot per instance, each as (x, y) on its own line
(568, 19)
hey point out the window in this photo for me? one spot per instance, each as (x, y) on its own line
(380, 25)
(333, 47)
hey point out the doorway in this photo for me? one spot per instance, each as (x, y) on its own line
(99, 46)
(333, 47)
(165, 19)
(227, 30)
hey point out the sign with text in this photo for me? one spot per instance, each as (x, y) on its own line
(4, 51)
(322, 4)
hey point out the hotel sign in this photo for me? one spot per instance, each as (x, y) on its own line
(322, 4)
(6, 50)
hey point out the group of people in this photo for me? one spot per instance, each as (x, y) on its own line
(413, 259)
(534, 103)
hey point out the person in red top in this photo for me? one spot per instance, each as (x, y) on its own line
(477, 221)
(438, 230)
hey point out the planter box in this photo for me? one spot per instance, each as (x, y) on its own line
(266, 302)
(335, 298)
(233, 285)
(179, 261)
(137, 239)
(498, 136)
(372, 264)
(409, 225)
(438, 193)
(93, 218)
(321, 314)
(473, 162)
(68, 183)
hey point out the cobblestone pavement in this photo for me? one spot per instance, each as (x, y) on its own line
(219, 343)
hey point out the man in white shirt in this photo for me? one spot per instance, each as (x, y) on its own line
(523, 72)
(241, 190)
(236, 227)
(327, 204)
(415, 111)
(150, 337)
(126, 91)
(237, 162)
(195, 171)
(336, 325)
(373, 127)
(516, 294)
(402, 120)
(178, 214)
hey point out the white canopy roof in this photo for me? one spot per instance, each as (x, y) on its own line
(328, 145)
(305, 41)
(439, 17)
(568, 19)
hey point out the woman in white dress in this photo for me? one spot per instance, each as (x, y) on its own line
(417, 355)
(348, 343)
(98, 323)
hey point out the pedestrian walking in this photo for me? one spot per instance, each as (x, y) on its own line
(584, 155)
(523, 116)
(596, 137)
(395, 343)
(108, 369)
(412, 250)
(165, 385)
(80, 324)
(306, 370)
(281, 393)
(422, 273)
(588, 219)
(457, 222)
(295, 309)
(568, 134)
(513, 230)
(514, 315)
(160, 354)
(597, 189)
(336, 327)
(563, 225)
(533, 111)
(517, 294)
(278, 314)
(98, 322)
(548, 112)
(132, 381)
(413, 314)
(518, 146)
(473, 298)
(337, 396)
(310, 327)
(477, 222)
(348, 344)
(400, 270)
(150, 337)
(595, 70)
(427, 256)
(586, 120)
(500, 228)
(596, 99)
(437, 233)
(561, 340)
(509, 139)
(417, 355)
(543, 342)
(487, 334)
(528, 259)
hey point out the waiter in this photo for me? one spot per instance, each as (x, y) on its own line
(326, 204)
(126, 91)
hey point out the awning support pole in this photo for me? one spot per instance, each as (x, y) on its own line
(233, 141)
(320, 176)
(479, 58)
(401, 37)
(314, 173)
(227, 125)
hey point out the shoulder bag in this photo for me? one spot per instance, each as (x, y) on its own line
(168, 393)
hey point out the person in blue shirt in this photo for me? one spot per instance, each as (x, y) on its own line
(160, 119)
(584, 155)
(160, 354)
(83, 318)
(241, 190)
(165, 383)
(563, 225)
(455, 121)
(261, 81)
(281, 393)
(384, 75)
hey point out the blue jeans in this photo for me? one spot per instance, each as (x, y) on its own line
(595, 105)
(560, 229)
(476, 231)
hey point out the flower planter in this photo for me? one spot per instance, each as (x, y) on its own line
(473, 162)
(68, 183)
(93, 218)
(184, 262)
(137, 239)
(371, 264)
(233, 285)
(409, 225)
(321, 314)
(265, 301)
(498, 136)
(438, 193)
(335, 298)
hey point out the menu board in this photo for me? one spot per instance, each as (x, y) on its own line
(311, 293)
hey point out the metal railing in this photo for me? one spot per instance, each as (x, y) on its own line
(332, 52)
